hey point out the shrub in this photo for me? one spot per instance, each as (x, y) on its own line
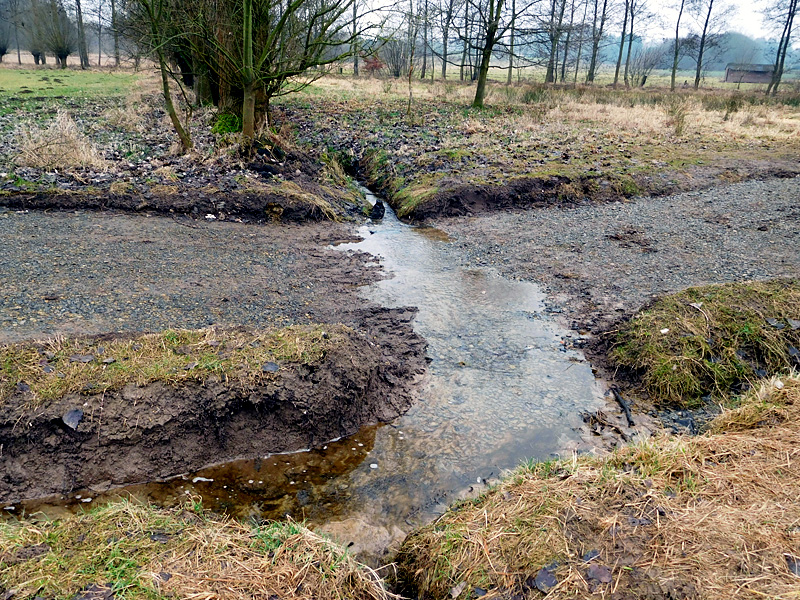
(227, 123)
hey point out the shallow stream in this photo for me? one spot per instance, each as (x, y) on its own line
(502, 388)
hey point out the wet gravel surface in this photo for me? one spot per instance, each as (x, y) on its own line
(94, 272)
(600, 262)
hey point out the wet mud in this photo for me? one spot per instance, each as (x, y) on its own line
(140, 434)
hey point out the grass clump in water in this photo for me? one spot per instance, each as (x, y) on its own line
(50, 370)
(705, 340)
(138, 551)
(713, 516)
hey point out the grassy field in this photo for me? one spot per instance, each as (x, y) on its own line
(65, 83)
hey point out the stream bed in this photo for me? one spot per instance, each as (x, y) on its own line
(502, 388)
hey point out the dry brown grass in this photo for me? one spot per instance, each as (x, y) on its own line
(712, 517)
(59, 146)
(142, 552)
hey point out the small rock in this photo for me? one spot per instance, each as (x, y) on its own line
(775, 323)
(72, 418)
(600, 573)
(23, 387)
(160, 537)
(190, 366)
(95, 592)
(478, 592)
(270, 367)
(793, 323)
(545, 581)
(455, 592)
(794, 564)
(109, 360)
(591, 555)
(81, 358)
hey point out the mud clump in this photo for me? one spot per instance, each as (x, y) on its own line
(137, 434)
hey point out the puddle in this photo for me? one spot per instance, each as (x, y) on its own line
(501, 389)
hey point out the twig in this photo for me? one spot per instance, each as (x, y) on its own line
(625, 406)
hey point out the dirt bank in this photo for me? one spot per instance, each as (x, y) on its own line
(142, 433)
(454, 199)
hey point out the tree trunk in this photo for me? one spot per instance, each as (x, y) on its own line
(702, 46)
(676, 53)
(555, 39)
(445, 33)
(511, 46)
(566, 42)
(99, 33)
(354, 45)
(248, 75)
(82, 51)
(424, 42)
(580, 43)
(597, 36)
(630, 47)
(783, 46)
(115, 32)
(465, 51)
(495, 10)
(621, 43)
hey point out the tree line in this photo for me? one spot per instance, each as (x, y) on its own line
(239, 54)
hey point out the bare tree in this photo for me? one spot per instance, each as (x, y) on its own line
(622, 40)
(553, 26)
(782, 12)
(643, 61)
(598, 27)
(53, 30)
(446, 14)
(677, 46)
(82, 49)
(711, 25)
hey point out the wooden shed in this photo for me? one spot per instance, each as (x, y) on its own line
(748, 73)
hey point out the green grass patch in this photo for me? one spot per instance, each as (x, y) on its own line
(136, 551)
(53, 369)
(705, 340)
(20, 83)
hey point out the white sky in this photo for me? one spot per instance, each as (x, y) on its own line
(747, 19)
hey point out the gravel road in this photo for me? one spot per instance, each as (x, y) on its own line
(92, 272)
(599, 262)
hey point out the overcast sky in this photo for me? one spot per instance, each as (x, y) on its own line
(747, 18)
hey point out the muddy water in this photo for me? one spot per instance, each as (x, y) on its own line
(501, 389)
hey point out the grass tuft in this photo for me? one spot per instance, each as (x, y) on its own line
(706, 340)
(714, 517)
(139, 551)
(61, 366)
(59, 146)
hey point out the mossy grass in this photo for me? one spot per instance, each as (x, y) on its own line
(709, 516)
(703, 341)
(141, 552)
(52, 369)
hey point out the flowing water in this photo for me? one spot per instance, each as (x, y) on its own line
(501, 389)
